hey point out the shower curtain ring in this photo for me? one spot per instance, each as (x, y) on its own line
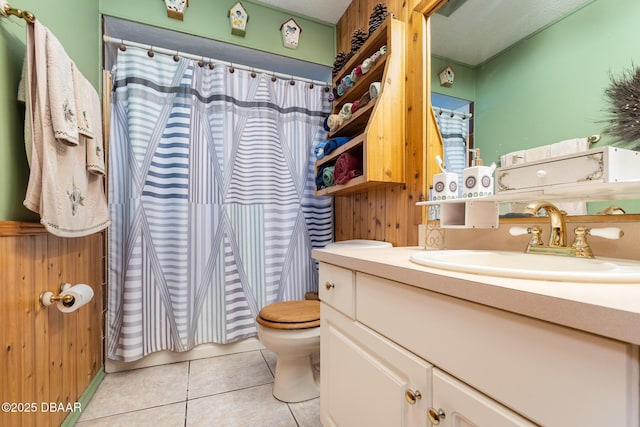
(273, 77)
(211, 65)
(122, 46)
(176, 57)
(150, 52)
(253, 73)
(201, 62)
(311, 85)
(292, 82)
(231, 69)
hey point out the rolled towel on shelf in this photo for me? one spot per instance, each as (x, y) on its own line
(319, 180)
(374, 90)
(359, 71)
(347, 166)
(325, 147)
(345, 112)
(340, 90)
(334, 121)
(383, 50)
(328, 176)
(366, 65)
(355, 105)
(364, 100)
(325, 124)
(354, 76)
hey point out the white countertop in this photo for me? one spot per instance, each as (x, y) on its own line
(610, 310)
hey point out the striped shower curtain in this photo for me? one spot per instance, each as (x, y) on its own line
(211, 193)
(453, 129)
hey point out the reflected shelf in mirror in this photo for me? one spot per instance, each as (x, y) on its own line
(571, 192)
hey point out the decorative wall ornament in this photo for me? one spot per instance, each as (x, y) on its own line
(290, 33)
(446, 77)
(238, 17)
(175, 8)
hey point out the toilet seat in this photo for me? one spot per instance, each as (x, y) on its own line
(290, 315)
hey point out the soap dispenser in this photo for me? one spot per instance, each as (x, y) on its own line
(445, 184)
(477, 180)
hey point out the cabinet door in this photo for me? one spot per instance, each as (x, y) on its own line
(366, 380)
(457, 404)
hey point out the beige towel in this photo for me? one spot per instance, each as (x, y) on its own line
(89, 121)
(569, 146)
(61, 92)
(82, 91)
(71, 202)
(23, 96)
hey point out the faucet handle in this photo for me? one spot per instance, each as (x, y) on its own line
(535, 232)
(519, 231)
(581, 245)
(606, 232)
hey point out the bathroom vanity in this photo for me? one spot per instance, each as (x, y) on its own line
(408, 345)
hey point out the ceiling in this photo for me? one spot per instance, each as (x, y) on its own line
(323, 10)
(473, 33)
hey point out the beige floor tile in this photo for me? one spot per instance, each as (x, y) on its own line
(226, 373)
(252, 407)
(166, 416)
(138, 389)
(271, 359)
(307, 413)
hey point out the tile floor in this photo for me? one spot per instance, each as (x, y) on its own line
(232, 390)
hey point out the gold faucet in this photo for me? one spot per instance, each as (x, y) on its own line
(558, 237)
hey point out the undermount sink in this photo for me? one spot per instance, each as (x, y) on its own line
(532, 266)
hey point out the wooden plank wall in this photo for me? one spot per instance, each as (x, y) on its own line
(47, 356)
(389, 213)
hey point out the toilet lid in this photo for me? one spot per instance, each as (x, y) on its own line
(290, 315)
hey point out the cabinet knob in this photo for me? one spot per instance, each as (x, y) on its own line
(329, 285)
(412, 396)
(436, 415)
(541, 173)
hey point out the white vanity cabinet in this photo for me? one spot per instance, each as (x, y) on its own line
(455, 404)
(472, 364)
(371, 381)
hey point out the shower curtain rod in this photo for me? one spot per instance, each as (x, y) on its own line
(452, 112)
(207, 60)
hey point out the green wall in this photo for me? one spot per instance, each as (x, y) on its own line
(210, 19)
(550, 87)
(77, 24)
(464, 85)
(67, 19)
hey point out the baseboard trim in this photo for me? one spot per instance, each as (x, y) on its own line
(88, 393)
(200, 352)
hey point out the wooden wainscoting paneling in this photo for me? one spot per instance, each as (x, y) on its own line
(46, 357)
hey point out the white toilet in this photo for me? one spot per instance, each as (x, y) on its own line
(291, 329)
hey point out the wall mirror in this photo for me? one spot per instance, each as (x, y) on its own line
(535, 72)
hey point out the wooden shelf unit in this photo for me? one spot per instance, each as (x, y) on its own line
(378, 128)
